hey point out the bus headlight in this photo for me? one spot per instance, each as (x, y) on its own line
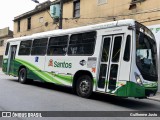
(138, 79)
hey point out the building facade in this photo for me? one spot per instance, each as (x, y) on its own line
(34, 21)
(85, 12)
(5, 34)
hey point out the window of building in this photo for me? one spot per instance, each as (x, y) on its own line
(100, 2)
(18, 27)
(82, 44)
(41, 19)
(39, 46)
(25, 47)
(1, 42)
(29, 23)
(57, 45)
(7, 48)
(76, 8)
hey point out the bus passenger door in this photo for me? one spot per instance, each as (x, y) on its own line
(109, 63)
(11, 62)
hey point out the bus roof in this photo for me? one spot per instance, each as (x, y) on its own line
(126, 22)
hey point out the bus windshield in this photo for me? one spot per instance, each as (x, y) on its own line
(146, 56)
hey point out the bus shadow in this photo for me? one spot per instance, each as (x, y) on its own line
(131, 103)
(50, 86)
(134, 104)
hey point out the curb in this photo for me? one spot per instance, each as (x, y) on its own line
(155, 98)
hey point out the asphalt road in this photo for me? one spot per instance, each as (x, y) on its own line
(48, 97)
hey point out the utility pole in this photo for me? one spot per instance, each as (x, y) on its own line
(61, 14)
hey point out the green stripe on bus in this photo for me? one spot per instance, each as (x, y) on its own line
(64, 77)
(45, 76)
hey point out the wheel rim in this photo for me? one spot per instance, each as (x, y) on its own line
(84, 87)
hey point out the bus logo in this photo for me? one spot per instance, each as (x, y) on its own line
(94, 70)
(57, 64)
(36, 59)
(82, 62)
(50, 62)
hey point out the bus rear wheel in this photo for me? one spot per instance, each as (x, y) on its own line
(22, 76)
(84, 86)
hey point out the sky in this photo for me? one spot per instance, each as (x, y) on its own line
(12, 8)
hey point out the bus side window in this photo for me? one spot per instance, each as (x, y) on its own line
(126, 56)
(39, 46)
(82, 44)
(7, 48)
(25, 47)
(57, 45)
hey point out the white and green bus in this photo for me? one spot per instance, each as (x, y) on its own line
(117, 58)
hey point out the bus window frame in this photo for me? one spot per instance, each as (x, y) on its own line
(30, 47)
(7, 48)
(82, 33)
(43, 46)
(68, 39)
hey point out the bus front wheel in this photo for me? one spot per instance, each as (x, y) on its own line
(84, 86)
(22, 76)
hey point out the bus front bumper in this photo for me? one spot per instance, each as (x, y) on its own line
(131, 89)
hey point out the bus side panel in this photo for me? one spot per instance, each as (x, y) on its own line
(124, 84)
(131, 89)
(14, 65)
(63, 68)
(4, 65)
(37, 73)
(33, 72)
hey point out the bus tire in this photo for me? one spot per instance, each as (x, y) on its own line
(84, 86)
(22, 76)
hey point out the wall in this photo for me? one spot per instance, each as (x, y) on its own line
(5, 34)
(146, 12)
(36, 25)
(90, 12)
(2, 48)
